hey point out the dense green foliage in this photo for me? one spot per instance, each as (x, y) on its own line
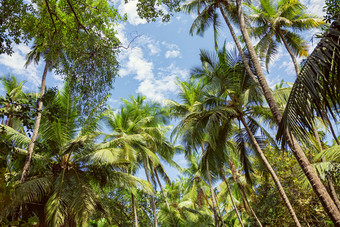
(84, 166)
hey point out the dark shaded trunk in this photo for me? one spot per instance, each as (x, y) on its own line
(313, 178)
(36, 127)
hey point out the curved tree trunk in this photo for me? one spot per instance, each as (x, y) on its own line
(313, 178)
(152, 196)
(166, 200)
(272, 172)
(36, 127)
(296, 65)
(231, 197)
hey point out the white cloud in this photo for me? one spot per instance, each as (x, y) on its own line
(288, 67)
(172, 54)
(137, 65)
(130, 9)
(16, 64)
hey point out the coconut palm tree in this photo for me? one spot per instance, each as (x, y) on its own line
(236, 96)
(303, 161)
(66, 171)
(280, 22)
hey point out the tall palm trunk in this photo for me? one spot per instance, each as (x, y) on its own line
(313, 178)
(166, 200)
(36, 127)
(135, 217)
(244, 197)
(212, 194)
(271, 171)
(155, 223)
(296, 66)
(231, 197)
(237, 43)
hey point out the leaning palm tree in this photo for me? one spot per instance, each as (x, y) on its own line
(277, 23)
(303, 161)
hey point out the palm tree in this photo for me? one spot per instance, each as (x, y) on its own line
(207, 14)
(137, 129)
(236, 96)
(15, 96)
(303, 161)
(273, 25)
(61, 187)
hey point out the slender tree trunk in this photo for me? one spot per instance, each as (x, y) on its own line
(166, 200)
(237, 43)
(135, 217)
(296, 65)
(244, 197)
(331, 129)
(272, 172)
(251, 209)
(213, 200)
(152, 196)
(36, 127)
(313, 178)
(231, 197)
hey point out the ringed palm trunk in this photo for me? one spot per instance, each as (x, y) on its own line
(36, 127)
(231, 197)
(152, 196)
(272, 172)
(318, 187)
(166, 200)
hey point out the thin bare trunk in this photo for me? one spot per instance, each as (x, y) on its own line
(152, 196)
(251, 209)
(36, 127)
(166, 200)
(332, 129)
(296, 66)
(135, 217)
(239, 48)
(244, 197)
(213, 200)
(271, 171)
(313, 178)
(231, 197)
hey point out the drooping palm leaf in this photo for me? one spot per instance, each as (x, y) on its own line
(317, 88)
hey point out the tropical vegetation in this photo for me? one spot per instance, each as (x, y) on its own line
(256, 156)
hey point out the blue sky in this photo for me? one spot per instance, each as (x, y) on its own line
(160, 53)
